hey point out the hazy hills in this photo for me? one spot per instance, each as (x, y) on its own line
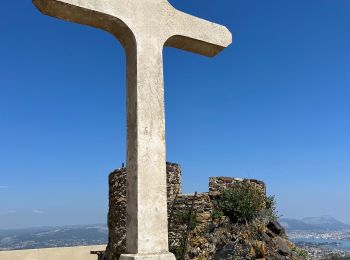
(323, 223)
(45, 237)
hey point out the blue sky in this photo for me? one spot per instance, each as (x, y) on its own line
(273, 106)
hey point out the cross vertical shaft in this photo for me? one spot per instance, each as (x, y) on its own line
(146, 162)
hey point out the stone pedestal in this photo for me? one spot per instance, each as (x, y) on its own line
(160, 256)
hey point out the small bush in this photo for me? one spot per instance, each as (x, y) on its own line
(217, 214)
(181, 217)
(300, 252)
(177, 251)
(242, 202)
(271, 212)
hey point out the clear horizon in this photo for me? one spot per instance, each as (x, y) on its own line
(97, 224)
(274, 106)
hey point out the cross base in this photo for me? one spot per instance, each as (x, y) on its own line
(159, 256)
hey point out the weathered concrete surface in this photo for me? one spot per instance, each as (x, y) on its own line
(143, 27)
(67, 253)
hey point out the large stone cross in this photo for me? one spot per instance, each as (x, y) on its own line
(143, 27)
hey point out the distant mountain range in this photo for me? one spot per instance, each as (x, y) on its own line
(323, 223)
(46, 237)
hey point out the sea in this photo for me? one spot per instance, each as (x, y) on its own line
(328, 244)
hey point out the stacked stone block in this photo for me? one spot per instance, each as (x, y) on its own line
(116, 215)
(218, 184)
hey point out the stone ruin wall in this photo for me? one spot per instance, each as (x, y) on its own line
(177, 201)
(117, 206)
(219, 184)
(116, 214)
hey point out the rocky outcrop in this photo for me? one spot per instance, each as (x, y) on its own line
(196, 229)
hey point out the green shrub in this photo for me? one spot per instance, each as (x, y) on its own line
(300, 252)
(271, 212)
(242, 202)
(217, 214)
(177, 251)
(181, 217)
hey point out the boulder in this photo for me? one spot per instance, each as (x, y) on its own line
(276, 228)
(282, 246)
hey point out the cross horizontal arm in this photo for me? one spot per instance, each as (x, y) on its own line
(199, 36)
(71, 10)
(89, 13)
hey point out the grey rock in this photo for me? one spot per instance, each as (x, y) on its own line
(276, 227)
(282, 246)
